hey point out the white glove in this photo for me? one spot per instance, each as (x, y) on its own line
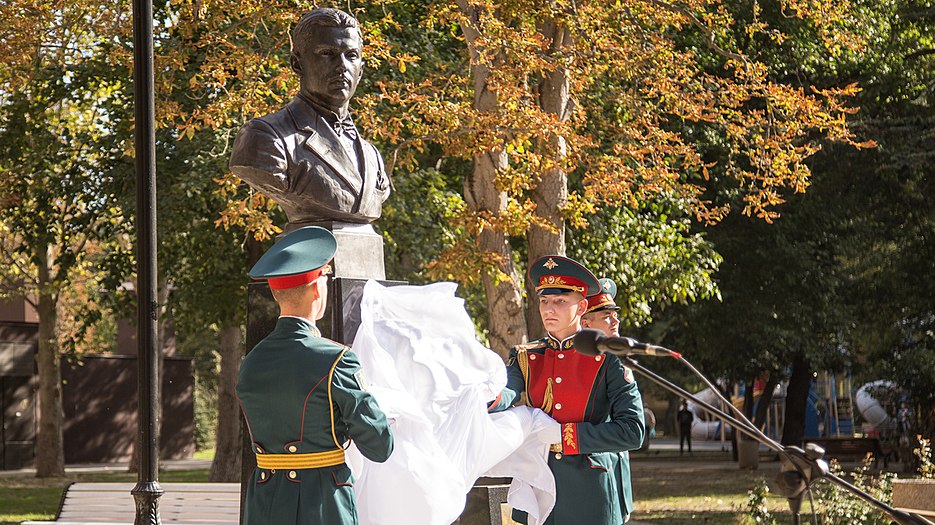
(552, 433)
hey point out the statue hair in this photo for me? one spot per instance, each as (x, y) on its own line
(321, 17)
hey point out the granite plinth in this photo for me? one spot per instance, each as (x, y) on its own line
(915, 495)
(486, 504)
(360, 249)
(341, 319)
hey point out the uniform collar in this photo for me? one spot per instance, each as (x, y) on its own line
(555, 344)
(308, 324)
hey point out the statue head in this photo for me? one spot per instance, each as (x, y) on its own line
(326, 54)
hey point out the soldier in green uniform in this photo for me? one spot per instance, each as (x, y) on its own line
(601, 314)
(594, 398)
(302, 398)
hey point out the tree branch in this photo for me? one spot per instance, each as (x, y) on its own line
(704, 28)
(919, 53)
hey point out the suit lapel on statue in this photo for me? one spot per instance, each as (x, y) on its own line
(323, 142)
(368, 165)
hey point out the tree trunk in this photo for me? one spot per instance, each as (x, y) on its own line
(748, 398)
(762, 408)
(800, 382)
(506, 322)
(551, 193)
(227, 453)
(50, 452)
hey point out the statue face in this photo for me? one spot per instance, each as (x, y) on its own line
(330, 65)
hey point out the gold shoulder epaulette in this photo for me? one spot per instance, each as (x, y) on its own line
(529, 346)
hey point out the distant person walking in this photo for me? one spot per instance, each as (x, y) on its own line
(685, 418)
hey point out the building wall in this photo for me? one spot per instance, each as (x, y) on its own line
(18, 385)
(17, 310)
(99, 398)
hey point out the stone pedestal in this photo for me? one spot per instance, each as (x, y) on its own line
(359, 257)
(360, 249)
(486, 504)
(748, 454)
(916, 496)
(342, 315)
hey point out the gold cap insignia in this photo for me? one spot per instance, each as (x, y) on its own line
(607, 285)
(550, 264)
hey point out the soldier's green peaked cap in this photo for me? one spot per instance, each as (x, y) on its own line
(554, 274)
(296, 259)
(604, 298)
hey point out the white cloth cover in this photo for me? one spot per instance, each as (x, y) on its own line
(423, 363)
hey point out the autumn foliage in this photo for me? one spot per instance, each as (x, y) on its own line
(664, 100)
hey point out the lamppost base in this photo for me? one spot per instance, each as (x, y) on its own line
(147, 497)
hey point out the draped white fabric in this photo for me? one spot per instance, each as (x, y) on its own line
(422, 362)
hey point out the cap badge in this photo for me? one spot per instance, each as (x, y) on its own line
(607, 285)
(550, 264)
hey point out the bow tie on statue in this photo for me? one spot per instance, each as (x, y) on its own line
(344, 126)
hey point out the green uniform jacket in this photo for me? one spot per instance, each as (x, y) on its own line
(597, 401)
(299, 395)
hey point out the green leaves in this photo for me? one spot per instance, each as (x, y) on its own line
(656, 262)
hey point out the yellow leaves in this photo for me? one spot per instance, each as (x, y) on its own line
(576, 209)
(250, 212)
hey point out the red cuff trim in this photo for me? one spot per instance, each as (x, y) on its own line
(495, 402)
(570, 438)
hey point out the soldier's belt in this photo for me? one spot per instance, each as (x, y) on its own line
(300, 461)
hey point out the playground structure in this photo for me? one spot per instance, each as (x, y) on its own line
(831, 411)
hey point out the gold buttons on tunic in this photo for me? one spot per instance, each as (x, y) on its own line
(292, 474)
(558, 406)
(558, 379)
(561, 356)
(532, 357)
(558, 455)
(292, 448)
(597, 358)
(262, 475)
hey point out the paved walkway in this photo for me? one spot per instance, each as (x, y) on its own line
(171, 464)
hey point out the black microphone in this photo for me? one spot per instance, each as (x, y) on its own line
(593, 342)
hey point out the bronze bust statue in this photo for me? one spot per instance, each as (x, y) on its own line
(309, 156)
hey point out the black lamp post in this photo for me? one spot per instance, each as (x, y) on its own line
(147, 491)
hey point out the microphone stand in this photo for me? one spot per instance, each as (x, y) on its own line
(800, 468)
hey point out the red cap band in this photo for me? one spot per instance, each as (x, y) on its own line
(599, 301)
(564, 282)
(291, 281)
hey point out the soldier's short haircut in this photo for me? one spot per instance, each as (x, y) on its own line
(321, 17)
(291, 295)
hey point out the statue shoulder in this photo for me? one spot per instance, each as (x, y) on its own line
(276, 121)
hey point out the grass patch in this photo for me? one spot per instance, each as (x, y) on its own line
(204, 455)
(678, 492)
(29, 503)
(29, 498)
